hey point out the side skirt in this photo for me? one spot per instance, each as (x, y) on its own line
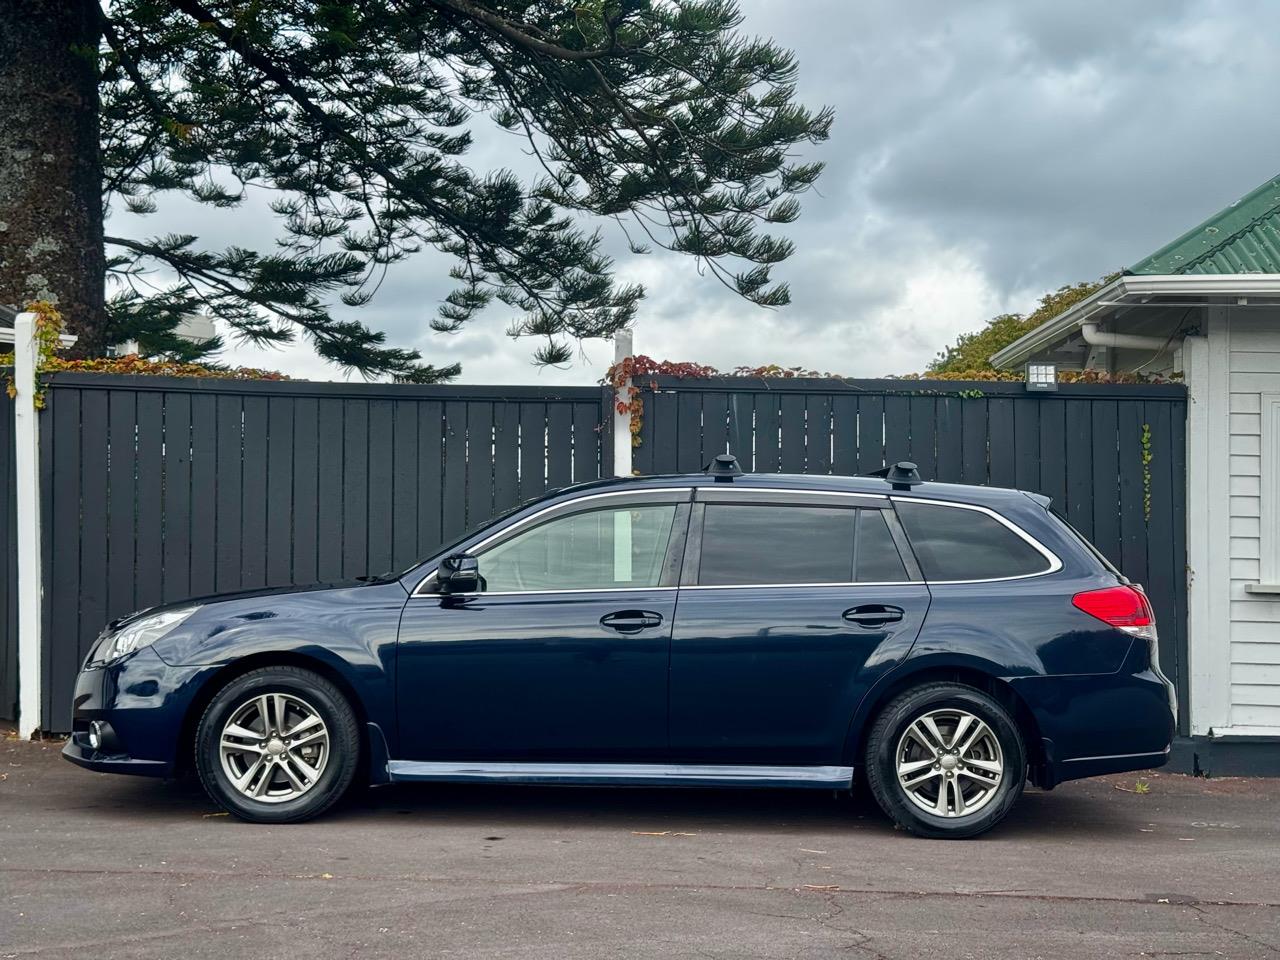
(623, 774)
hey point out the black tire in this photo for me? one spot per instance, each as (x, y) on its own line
(886, 737)
(343, 748)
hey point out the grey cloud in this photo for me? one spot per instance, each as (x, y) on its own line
(982, 154)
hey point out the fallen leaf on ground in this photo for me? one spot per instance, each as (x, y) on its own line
(819, 886)
(806, 850)
(660, 833)
(208, 815)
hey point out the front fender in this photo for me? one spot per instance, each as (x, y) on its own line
(350, 631)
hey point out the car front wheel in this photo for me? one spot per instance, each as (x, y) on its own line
(945, 761)
(277, 745)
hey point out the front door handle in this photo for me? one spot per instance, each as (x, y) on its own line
(631, 621)
(873, 615)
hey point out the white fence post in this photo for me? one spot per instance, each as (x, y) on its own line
(622, 467)
(26, 356)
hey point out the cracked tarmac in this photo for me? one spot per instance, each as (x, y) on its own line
(103, 866)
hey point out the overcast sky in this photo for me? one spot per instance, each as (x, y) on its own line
(982, 154)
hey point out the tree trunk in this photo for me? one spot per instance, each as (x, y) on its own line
(51, 163)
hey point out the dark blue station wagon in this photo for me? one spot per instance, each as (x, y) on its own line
(719, 629)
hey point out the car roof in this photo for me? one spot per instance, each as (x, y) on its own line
(957, 492)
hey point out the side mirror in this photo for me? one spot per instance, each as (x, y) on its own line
(459, 573)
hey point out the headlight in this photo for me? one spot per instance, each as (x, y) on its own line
(143, 633)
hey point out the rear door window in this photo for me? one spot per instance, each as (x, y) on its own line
(953, 543)
(746, 544)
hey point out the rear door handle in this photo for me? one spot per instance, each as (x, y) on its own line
(873, 615)
(631, 621)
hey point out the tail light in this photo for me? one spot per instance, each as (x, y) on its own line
(1124, 607)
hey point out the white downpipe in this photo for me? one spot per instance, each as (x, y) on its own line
(26, 356)
(622, 464)
(1124, 341)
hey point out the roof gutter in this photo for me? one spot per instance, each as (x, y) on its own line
(1124, 341)
(1087, 310)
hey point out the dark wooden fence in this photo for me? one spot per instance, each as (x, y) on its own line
(8, 562)
(158, 489)
(1113, 458)
(161, 489)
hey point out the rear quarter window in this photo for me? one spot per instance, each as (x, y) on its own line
(954, 543)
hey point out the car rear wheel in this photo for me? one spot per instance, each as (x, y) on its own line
(945, 760)
(277, 745)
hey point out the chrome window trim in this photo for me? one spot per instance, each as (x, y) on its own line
(784, 586)
(418, 591)
(1055, 563)
(540, 593)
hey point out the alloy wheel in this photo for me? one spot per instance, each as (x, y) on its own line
(274, 748)
(949, 763)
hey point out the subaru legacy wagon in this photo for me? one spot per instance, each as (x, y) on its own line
(946, 643)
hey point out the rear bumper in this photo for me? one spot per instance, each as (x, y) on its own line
(1096, 724)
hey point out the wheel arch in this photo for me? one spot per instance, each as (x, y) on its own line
(977, 675)
(184, 761)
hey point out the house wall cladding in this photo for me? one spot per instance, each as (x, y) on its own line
(159, 489)
(1083, 445)
(8, 563)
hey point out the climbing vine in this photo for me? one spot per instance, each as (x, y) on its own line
(628, 398)
(48, 327)
(1146, 472)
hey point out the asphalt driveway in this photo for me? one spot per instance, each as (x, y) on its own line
(95, 866)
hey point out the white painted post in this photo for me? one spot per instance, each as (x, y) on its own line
(26, 355)
(622, 466)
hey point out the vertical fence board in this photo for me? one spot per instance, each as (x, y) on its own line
(844, 435)
(331, 443)
(1002, 445)
(817, 440)
(1105, 487)
(306, 490)
(150, 487)
(715, 426)
(924, 435)
(559, 445)
(229, 466)
(176, 502)
(1177, 458)
(430, 476)
(67, 539)
(897, 429)
(870, 433)
(253, 494)
(791, 418)
(454, 502)
(973, 419)
(479, 486)
(279, 497)
(587, 433)
(688, 432)
(204, 488)
(1078, 447)
(381, 524)
(506, 456)
(768, 418)
(1133, 524)
(122, 498)
(405, 493)
(950, 440)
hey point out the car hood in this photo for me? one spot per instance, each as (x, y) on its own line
(211, 598)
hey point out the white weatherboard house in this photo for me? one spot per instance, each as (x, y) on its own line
(1207, 308)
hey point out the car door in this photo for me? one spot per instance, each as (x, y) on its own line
(791, 605)
(563, 655)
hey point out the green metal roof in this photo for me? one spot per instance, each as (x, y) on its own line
(1243, 238)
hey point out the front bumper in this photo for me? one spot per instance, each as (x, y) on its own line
(78, 751)
(145, 700)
